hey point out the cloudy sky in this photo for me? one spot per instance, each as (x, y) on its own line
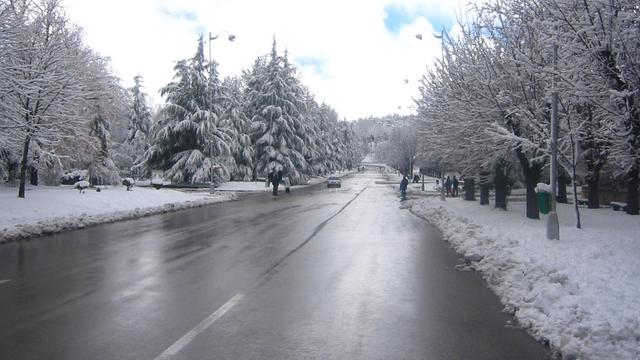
(355, 55)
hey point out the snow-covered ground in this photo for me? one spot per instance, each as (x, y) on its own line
(581, 293)
(46, 210)
(52, 209)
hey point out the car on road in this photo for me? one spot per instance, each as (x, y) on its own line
(333, 181)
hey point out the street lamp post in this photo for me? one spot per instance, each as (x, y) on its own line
(231, 37)
(553, 226)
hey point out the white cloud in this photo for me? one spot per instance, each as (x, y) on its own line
(364, 65)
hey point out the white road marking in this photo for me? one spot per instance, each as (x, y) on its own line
(4, 281)
(188, 337)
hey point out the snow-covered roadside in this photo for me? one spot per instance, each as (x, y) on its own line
(47, 210)
(581, 293)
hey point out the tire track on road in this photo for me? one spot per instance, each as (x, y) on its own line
(318, 228)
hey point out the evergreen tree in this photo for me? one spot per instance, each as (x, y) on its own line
(140, 116)
(276, 121)
(102, 170)
(242, 147)
(190, 144)
(138, 129)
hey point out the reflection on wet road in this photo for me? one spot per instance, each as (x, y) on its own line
(318, 273)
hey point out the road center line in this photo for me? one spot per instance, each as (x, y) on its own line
(4, 281)
(202, 326)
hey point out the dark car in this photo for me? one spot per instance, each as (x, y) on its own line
(333, 181)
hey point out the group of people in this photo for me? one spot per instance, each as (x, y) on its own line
(451, 186)
(276, 180)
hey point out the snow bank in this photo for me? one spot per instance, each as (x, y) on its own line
(581, 293)
(47, 210)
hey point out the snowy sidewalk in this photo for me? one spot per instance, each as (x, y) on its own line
(581, 293)
(53, 209)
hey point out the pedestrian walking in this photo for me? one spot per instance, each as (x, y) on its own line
(403, 187)
(447, 185)
(277, 179)
(455, 183)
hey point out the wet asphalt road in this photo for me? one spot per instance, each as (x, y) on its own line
(316, 274)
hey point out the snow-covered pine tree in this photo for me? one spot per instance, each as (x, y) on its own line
(326, 149)
(138, 128)
(140, 115)
(351, 156)
(316, 141)
(276, 117)
(102, 170)
(190, 145)
(233, 113)
(301, 120)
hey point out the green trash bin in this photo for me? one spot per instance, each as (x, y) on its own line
(544, 201)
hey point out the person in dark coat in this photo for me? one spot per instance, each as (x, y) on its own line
(276, 182)
(455, 183)
(403, 187)
(447, 185)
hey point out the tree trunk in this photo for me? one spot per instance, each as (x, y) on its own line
(563, 181)
(484, 194)
(12, 167)
(532, 177)
(575, 196)
(632, 191)
(33, 175)
(469, 189)
(501, 188)
(23, 166)
(593, 192)
(484, 187)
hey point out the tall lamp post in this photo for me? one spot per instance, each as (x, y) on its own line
(553, 226)
(231, 37)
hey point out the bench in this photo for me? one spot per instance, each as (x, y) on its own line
(616, 206)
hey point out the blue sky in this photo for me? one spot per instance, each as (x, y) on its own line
(397, 16)
(316, 64)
